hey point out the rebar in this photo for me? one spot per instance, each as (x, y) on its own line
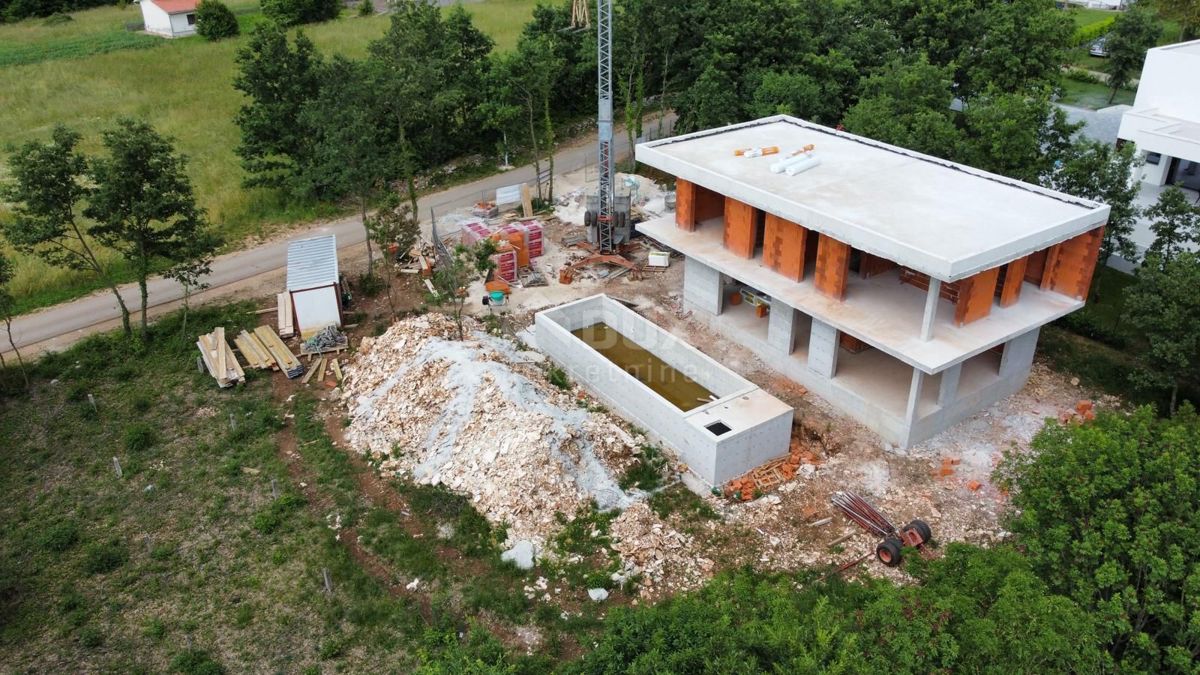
(857, 509)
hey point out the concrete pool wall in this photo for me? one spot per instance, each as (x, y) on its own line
(720, 440)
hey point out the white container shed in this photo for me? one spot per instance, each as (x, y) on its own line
(312, 284)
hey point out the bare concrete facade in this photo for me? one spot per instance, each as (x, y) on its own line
(741, 428)
(907, 291)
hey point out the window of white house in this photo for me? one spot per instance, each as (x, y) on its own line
(191, 19)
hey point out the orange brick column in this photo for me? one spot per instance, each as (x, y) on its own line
(739, 228)
(1014, 277)
(1071, 264)
(783, 247)
(833, 266)
(975, 296)
(685, 205)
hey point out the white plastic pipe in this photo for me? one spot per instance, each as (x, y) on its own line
(783, 164)
(801, 167)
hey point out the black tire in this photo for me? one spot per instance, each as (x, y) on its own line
(589, 220)
(922, 528)
(888, 551)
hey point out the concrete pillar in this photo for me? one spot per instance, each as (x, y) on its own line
(823, 349)
(914, 396)
(948, 389)
(931, 304)
(781, 327)
(1018, 354)
(702, 286)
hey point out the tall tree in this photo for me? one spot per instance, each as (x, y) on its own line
(143, 203)
(907, 103)
(393, 225)
(349, 126)
(1104, 173)
(48, 191)
(192, 268)
(1018, 135)
(6, 314)
(454, 275)
(1105, 514)
(1175, 224)
(1020, 47)
(1185, 12)
(1163, 308)
(527, 81)
(296, 12)
(412, 64)
(1134, 31)
(278, 79)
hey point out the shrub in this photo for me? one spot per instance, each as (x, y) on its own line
(90, 637)
(366, 8)
(558, 377)
(1106, 512)
(647, 472)
(215, 21)
(295, 12)
(271, 518)
(195, 662)
(140, 437)
(60, 536)
(1087, 34)
(104, 557)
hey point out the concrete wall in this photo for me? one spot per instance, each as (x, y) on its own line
(155, 19)
(760, 425)
(180, 26)
(702, 286)
(818, 375)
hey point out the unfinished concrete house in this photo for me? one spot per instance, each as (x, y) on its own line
(906, 290)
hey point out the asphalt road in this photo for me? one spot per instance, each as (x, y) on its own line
(247, 270)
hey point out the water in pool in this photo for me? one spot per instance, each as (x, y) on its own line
(650, 370)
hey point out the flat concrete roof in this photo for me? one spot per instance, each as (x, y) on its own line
(881, 311)
(935, 216)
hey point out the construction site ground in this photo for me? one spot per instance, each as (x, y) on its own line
(528, 459)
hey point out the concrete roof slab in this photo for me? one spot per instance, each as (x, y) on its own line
(941, 218)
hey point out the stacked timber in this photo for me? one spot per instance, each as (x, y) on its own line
(219, 359)
(255, 352)
(284, 358)
(284, 316)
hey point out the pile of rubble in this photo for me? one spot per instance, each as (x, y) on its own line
(667, 559)
(478, 416)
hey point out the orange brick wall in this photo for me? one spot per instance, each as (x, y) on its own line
(975, 296)
(739, 228)
(1014, 277)
(1071, 264)
(694, 204)
(833, 266)
(783, 247)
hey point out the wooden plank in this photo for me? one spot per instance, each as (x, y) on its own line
(337, 370)
(283, 356)
(311, 370)
(1075, 263)
(1014, 278)
(975, 296)
(526, 201)
(264, 355)
(739, 228)
(685, 205)
(784, 244)
(219, 340)
(235, 371)
(321, 370)
(833, 266)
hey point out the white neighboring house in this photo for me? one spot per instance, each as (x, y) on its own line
(312, 283)
(1165, 120)
(1164, 124)
(169, 18)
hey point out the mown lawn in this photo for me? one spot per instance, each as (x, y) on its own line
(1093, 96)
(184, 88)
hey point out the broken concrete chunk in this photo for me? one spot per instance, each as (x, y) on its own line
(522, 554)
(597, 594)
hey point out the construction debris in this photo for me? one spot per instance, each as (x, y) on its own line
(478, 417)
(219, 359)
(328, 339)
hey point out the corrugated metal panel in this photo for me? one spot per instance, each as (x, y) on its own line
(312, 263)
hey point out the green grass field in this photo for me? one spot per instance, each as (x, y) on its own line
(184, 88)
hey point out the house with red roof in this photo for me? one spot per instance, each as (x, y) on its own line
(169, 18)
